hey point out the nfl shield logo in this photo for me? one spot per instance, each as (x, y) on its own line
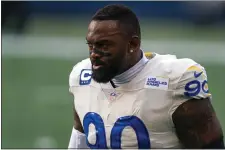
(112, 96)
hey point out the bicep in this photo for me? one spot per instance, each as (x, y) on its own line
(77, 122)
(196, 123)
(73, 82)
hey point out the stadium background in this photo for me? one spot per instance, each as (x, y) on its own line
(41, 41)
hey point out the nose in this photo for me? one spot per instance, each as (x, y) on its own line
(94, 55)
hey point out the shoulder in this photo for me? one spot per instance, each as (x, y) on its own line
(187, 77)
(171, 67)
(82, 66)
(193, 83)
(174, 65)
(188, 82)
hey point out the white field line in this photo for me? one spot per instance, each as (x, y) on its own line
(75, 48)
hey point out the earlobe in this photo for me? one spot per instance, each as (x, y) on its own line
(134, 43)
(129, 50)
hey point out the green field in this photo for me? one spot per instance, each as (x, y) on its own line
(36, 104)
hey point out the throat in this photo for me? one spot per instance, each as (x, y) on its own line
(132, 72)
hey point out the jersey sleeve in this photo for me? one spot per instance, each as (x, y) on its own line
(192, 84)
(73, 77)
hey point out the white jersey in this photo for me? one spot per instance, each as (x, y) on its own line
(137, 114)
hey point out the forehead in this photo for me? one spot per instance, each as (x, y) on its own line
(106, 29)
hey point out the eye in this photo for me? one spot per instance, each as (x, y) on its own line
(90, 45)
(103, 46)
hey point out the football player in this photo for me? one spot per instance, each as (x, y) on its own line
(124, 98)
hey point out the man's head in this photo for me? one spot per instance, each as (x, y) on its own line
(114, 41)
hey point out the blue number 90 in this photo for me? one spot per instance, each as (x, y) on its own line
(116, 133)
(193, 88)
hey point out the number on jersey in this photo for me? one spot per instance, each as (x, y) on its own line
(116, 133)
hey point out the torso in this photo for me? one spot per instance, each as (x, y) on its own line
(134, 115)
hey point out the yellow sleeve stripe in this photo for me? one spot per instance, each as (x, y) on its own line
(194, 68)
(148, 54)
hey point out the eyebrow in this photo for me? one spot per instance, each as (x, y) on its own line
(100, 41)
(104, 40)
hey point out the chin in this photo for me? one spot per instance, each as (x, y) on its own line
(102, 75)
(98, 80)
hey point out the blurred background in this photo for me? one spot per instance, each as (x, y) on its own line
(41, 41)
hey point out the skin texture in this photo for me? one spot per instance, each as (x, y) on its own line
(77, 123)
(196, 123)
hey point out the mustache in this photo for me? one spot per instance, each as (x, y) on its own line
(98, 62)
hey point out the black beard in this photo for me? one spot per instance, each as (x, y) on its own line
(104, 74)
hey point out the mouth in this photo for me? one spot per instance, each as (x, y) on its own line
(95, 67)
(97, 64)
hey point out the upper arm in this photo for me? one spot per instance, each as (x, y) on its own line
(196, 123)
(73, 80)
(77, 122)
(194, 118)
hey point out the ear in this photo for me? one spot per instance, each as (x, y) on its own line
(135, 43)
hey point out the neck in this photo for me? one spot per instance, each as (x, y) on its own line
(135, 60)
(132, 71)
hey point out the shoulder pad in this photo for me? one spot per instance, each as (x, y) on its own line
(74, 77)
(171, 67)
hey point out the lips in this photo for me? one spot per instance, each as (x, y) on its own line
(95, 67)
(96, 64)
